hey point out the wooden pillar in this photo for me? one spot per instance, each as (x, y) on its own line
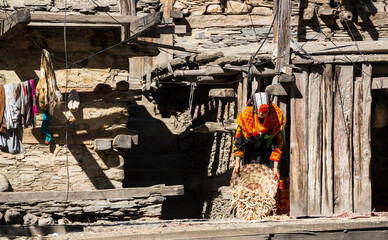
(362, 191)
(240, 96)
(327, 141)
(343, 143)
(298, 144)
(244, 91)
(314, 136)
(283, 38)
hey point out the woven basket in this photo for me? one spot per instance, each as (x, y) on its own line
(254, 190)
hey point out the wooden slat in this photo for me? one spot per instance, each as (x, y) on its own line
(342, 145)
(380, 83)
(314, 136)
(91, 19)
(298, 161)
(361, 141)
(327, 141)
(145, 23)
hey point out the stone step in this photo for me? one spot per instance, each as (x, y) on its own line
(139, 177)
(154, 161)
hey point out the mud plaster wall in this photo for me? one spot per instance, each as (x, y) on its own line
(42, 167)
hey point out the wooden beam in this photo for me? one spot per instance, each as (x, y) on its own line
(101, 144)
(90, 19)
(144, 24)
(380, 83)
(176, 14)
(208, 71)
(127, 8)
(166, 29)
(75, 137)
(222, 93)
(11, 21)
(211, 127)
(342, 145)
(167, 46)
(122, 141)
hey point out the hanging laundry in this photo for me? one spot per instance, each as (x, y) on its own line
(73, 103)
(34, 104)
(49, 94)
(3, 125)
(45, 127)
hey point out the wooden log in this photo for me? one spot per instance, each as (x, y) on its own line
(239, 96)
(10, 22)
(75, 137)
(298, 145)
(211, 127)
(208, 57)
(222, 93)
(166, 29)
(283, 39)
(342, 145)
(208, 71)
(102, 144)
(90, 19)
(176, 14)
(245, 91)
(234, 60)
(314, 136)
(380, 83)
(103, 88)
(122, 86)
(278, 89)
(122, 141)
(327, 141)
(145, 23)
(362, 191)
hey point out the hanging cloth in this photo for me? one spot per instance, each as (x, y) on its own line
(45, 127)
(49, 94)
(34, 103)
(3, 125)
(73, 103)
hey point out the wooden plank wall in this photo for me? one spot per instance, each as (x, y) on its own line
(314, 140)
(343, 144)
(361, 147)
(327, 141)
(330, 141)
(298, 160)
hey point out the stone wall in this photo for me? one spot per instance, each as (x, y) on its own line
(43, 208)
(80, 6)
(42, 167)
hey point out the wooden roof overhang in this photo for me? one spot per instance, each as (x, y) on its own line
(131, 26)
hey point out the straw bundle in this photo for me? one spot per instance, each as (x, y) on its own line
(254, 191)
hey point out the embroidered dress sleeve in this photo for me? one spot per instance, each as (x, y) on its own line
(277, 147)
(239, 140)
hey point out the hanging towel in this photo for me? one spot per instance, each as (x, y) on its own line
(45, 127)
(11, 112)
(28, 101)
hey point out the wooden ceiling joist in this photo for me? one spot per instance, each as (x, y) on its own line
(10, 21)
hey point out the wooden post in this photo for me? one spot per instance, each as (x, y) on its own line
(314, 136)
(298, 161)
(244, 91)
(240, 96)
(283, 38)
(342, 145)
(127, 8)
(362, 191)
(327, 141)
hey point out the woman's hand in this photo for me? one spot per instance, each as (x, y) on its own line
(237, 166)
(276, 173)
